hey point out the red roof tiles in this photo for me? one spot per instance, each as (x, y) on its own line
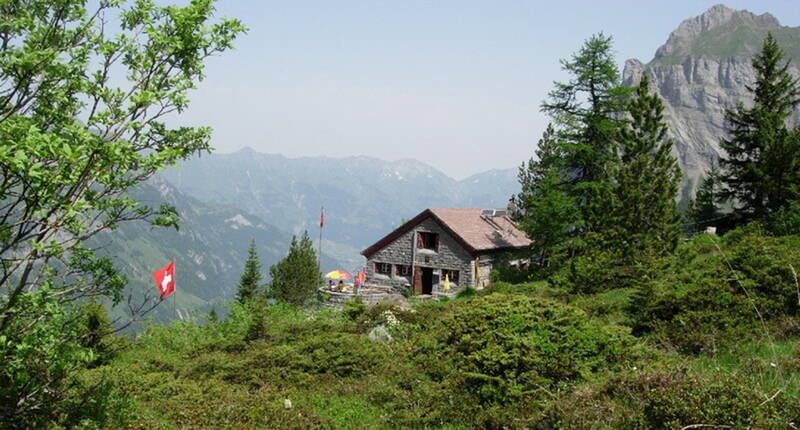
(475, 232)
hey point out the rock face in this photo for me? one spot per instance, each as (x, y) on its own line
(702, 70)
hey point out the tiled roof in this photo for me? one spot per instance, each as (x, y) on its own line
(475, 232)
(482, 232)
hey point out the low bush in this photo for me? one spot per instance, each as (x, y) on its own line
(787, 220)
(679, 393)
(718, 291)
(499, 357)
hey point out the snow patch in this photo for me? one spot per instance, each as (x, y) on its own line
(238, 221)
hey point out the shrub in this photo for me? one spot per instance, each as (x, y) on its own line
(466, 293)
(499, 357)
(787, 220)
(354, 308)
(716, 292)
(673, 397)
(506, 345)
(504, 271)
(387, 314)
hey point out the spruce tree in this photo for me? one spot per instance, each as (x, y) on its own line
(544, 210)
(762, 158)
(251, 276)
(295, 279)
(704, 211)
(645, 181)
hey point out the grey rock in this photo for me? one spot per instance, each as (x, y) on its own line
(697, 83)
(380, 334)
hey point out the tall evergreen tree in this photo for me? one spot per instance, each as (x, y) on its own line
(763, 154)
(295, 279)
(645, 181)
(704, 210)
(251, 276)
(559, 188)
(544, 210)
(586, 110)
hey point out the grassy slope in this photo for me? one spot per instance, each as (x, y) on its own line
(190, 376)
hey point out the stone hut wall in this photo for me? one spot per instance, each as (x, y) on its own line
(449, 255)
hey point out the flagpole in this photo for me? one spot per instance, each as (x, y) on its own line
(319, 245)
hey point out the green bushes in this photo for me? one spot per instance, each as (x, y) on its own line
(715, 292)
(498, 358)
(39, 381)
(756, 392)
(507, 346)
(532, 355)
(786, 221)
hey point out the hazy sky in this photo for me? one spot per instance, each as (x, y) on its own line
(455, 84)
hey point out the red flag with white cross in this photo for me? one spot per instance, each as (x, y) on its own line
(165, 279)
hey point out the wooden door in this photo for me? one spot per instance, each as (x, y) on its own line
(417, 280)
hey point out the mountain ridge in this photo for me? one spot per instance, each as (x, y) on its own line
(703, 69)
(364, 197)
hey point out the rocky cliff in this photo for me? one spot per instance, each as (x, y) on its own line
(702, 70)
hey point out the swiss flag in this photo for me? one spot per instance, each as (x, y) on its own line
(165, 279)
(321, 217)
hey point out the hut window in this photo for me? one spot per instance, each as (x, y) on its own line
(383, 268)
(427, 240)
(452, 275)
(402, 270)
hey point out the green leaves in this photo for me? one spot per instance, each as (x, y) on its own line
(81, 103)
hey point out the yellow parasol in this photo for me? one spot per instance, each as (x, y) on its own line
(447, 282)
(338, 274)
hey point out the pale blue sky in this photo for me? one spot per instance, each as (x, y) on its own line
(455, 84)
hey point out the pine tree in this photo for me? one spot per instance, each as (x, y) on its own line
(762, 158)
(295, 279)
(251, 276)
(645, 181)
(704, 210)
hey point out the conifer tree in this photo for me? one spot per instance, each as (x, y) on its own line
(560, 187)
(645, 181)
(586, 111)
(704, 209)
(544, 210)
(762, 158)
(251, 276)
(295, 279)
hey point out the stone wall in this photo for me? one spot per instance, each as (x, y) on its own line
(449, 255)
(486, 262)
(336, 299)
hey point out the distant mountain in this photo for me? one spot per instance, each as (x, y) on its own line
(703, 69)
(364, 197)
(209, 249)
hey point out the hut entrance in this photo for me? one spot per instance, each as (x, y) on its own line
(427, 280)
(423, 280)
